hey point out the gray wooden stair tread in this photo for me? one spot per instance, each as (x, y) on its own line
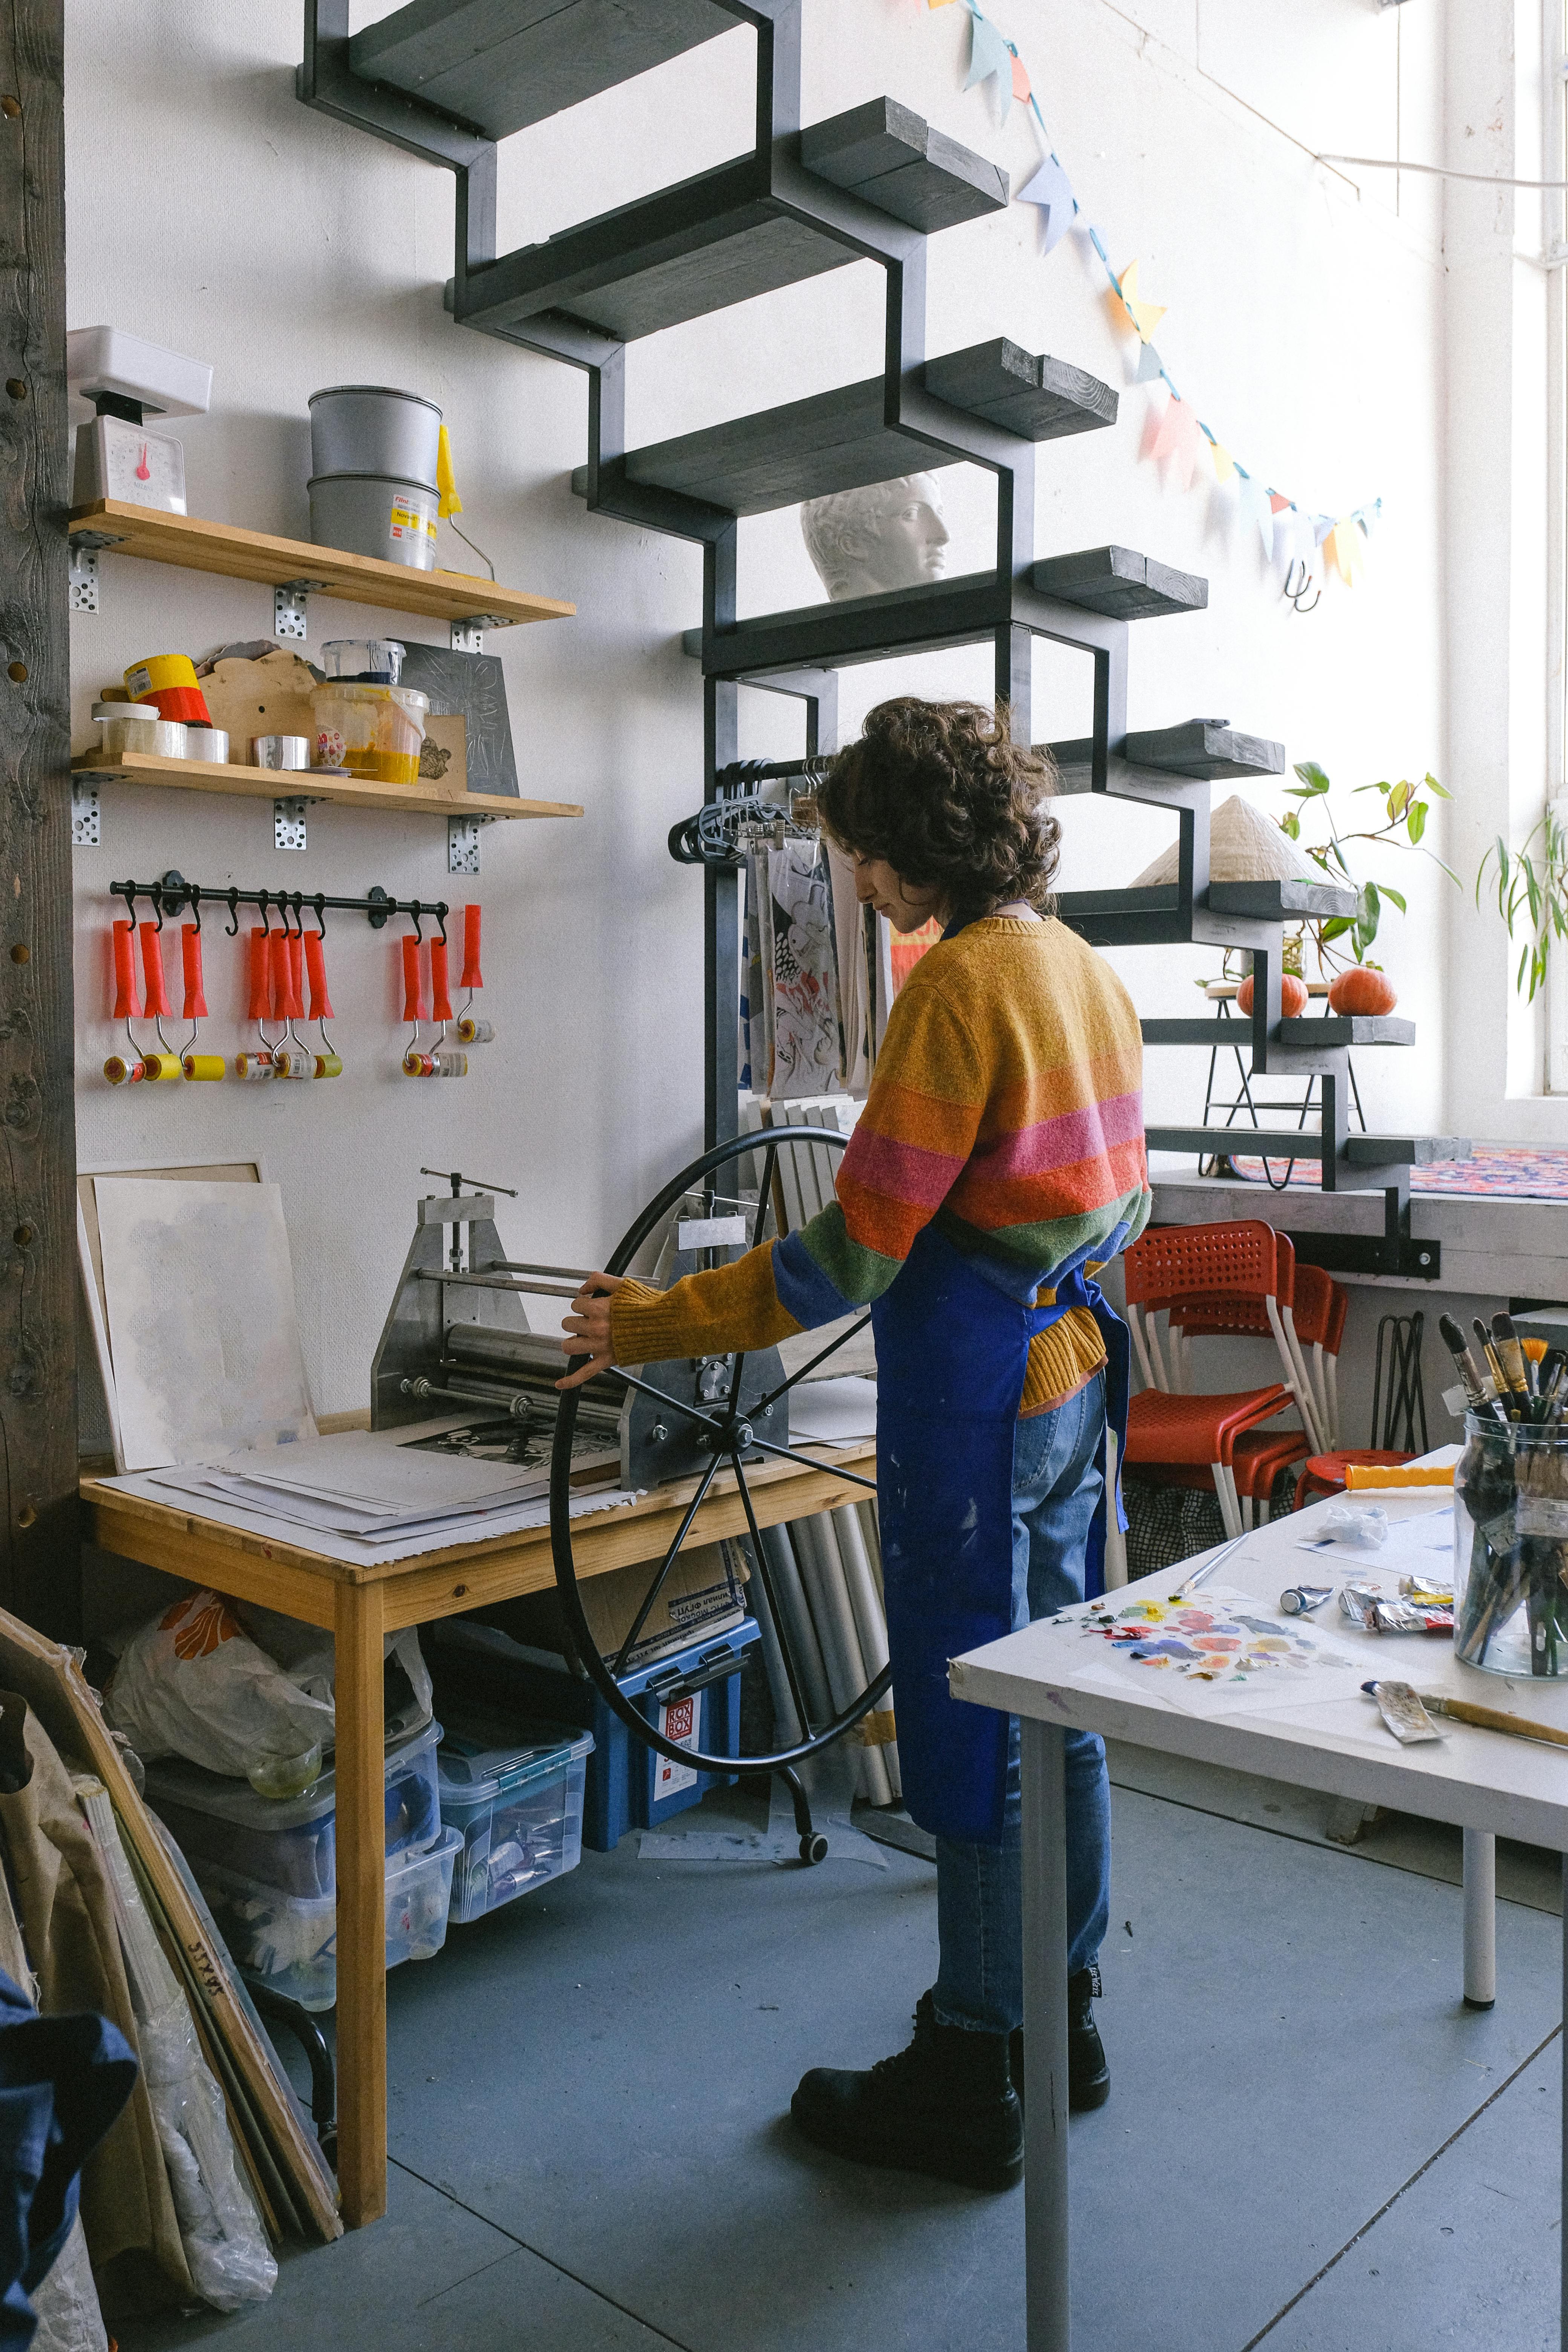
(1207, 749)
(1121, 582)
(890, 157)
(693, 248)
(840, 440)
(1291, 1143)
(1302, 1031)
(500, 65)
(1273, 901)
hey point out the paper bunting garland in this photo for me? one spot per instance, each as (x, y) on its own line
(1288, 530)
(1052, 190)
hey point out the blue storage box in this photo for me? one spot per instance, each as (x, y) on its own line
(629, 1785)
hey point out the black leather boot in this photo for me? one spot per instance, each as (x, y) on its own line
(944, 2106)
(1088, 2076)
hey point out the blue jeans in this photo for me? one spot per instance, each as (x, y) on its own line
(1057, 1480)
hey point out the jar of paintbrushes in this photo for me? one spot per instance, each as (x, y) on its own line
(1511, 1508)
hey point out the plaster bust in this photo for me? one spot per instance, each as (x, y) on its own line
(889, 535)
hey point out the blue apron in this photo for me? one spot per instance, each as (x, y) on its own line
(951, 1353)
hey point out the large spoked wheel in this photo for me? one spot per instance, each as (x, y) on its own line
(728, 1436)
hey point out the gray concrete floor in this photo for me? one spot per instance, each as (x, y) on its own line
(1311, 2144)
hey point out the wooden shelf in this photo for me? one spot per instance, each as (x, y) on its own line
(284, 783)
(199, 546)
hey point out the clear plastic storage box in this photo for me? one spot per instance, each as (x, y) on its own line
(516, 1807)
(292, 1841)
(291, 1941)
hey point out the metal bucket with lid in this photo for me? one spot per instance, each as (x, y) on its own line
(369, 428)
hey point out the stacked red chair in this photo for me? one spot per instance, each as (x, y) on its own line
(1222, 1280)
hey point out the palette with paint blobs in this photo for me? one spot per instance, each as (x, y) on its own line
(1219, 1640)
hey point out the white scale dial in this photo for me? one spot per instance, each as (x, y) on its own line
(134, 464)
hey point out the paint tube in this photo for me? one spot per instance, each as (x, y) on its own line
(1401, 1708)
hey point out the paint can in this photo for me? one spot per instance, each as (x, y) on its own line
(370, 428)
(384, 514)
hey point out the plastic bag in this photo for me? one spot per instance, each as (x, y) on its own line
(306, 1655)
(192, 1683)
(1366, 1524)
(230, 2261)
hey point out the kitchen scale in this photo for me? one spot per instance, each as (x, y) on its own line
(118, 455)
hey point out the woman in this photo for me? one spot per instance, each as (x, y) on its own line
(998, 1159)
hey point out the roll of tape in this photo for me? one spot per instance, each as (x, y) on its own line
(204, 1066)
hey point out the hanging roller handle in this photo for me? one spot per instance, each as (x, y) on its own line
(316, 965)
(278, 954)
(259, 1007)
(295, 976)
(153, 983)
(440, 1001)
(412, 987)
(472, 976)
(190, 951)
(125, 1004)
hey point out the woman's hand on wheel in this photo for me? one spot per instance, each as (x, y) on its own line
(589, 1323)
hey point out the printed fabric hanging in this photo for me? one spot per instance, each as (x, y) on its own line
(807, 1048)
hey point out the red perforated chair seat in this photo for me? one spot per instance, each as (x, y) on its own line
(1196, 1429)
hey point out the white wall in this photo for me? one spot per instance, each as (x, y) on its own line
(210, 211)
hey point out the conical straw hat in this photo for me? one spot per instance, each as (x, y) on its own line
(1244, 846)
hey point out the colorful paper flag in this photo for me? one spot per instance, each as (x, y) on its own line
(1150, 364)
(1020, 80)
(1255, 508)
(1342, 550)
(1052, 190)
(1276, 504)
(1145, 316)
(989, 58)
(1223, 463)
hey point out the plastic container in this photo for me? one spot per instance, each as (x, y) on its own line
(518, 1805)
(375, 514)
(371, 730)
(292, 1841)
(369, 428)
(291, 1941)
(365, 661)
(628, 1785)
(1510, 1550)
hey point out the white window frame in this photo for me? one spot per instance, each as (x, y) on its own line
(1554, 225)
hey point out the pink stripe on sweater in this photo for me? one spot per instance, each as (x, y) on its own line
(1065, 1142)
(884, 1164)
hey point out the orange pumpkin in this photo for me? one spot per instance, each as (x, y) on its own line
(1361, 989)
(1292, 996)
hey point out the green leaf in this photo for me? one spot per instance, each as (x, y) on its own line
(1335, 928)
(1311, 775)
(1397, 896)
(1291, 823)
(1398, 800)
(1415, 820)
(1431, 785)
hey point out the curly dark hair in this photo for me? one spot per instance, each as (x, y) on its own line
(939, 789)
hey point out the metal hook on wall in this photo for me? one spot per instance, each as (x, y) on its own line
(414, 913)
(195, 898)
(233, 931)
(156, 895)
(263, 899)
(320, 904)
(1295, 593)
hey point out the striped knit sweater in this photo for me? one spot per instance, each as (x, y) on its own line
(1007, 1107)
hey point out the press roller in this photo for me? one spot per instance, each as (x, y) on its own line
(456, 1337)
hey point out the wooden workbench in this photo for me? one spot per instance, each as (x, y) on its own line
(357, 1605)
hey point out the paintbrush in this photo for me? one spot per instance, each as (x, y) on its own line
(1201, 1575)
(1485, 1718)
(1471, 1378)
(1511, 1357)
(1489, 1358)
(1534, 1356)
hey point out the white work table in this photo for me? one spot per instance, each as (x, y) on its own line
(1056, 1677)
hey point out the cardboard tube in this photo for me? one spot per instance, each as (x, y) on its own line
(154, 984)
(316, 965)
(125, 1004)
(191, 954)
(472, 976)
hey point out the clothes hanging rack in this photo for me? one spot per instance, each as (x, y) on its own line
(171, 893)
(714, 835)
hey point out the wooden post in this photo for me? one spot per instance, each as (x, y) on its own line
(39, 1566)
(362, 1905)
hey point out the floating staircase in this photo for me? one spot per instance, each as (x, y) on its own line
(447, 79)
